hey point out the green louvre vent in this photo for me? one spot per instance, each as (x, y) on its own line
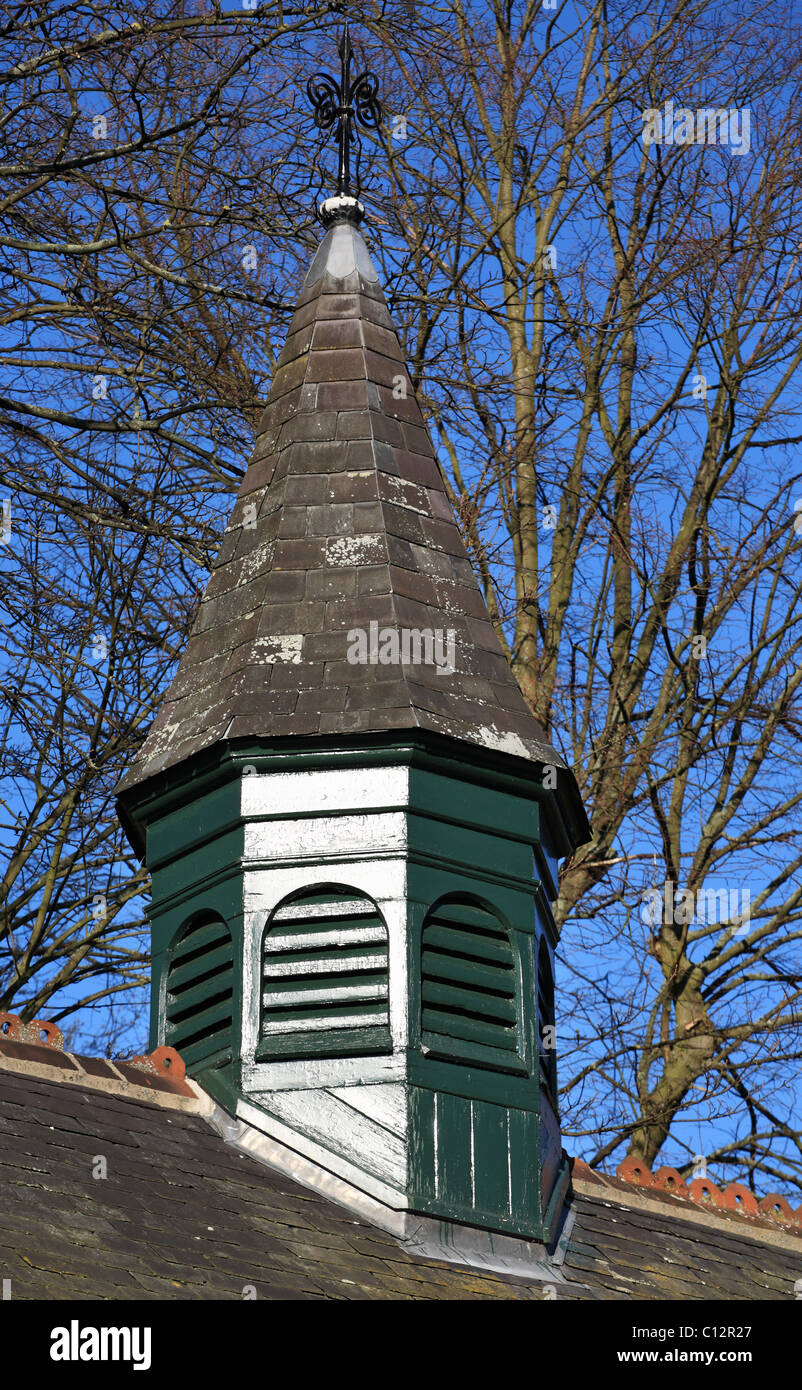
(469, 992)
(325, 978)
(200, 986)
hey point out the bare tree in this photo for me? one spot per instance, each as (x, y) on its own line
(604, 334)
(156, 205)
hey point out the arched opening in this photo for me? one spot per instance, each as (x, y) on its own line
(469, 986)
(325, 984)
(200, 990)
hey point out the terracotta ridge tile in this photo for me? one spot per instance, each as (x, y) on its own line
(735, 1201)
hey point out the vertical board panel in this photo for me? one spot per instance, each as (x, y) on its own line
(421, 1147)
(524, 1160)
(491, 1174)
(454, 1150)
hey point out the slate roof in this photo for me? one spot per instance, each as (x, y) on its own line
(183, 1215)
(342, 520)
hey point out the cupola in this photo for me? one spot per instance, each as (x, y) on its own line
(352, 821)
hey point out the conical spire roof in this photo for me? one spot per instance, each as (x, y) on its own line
(342, 522)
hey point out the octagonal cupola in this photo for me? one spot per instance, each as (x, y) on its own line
(352, 820)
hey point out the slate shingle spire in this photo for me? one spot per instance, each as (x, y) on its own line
(342, 522)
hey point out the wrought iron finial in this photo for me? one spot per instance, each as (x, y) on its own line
(352, 104)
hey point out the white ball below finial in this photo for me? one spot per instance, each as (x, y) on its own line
(342, 205)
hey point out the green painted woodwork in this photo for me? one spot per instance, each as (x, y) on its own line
(483, 842)
(545, 1018)
(475, 1161)
(469, 987)
(194, 851)
(475, 1109)
(325, 988)
(199, 1017)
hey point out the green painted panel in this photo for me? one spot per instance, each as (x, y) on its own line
(202, 865)
(477, 849)
(453, 1150)
(524, 1164)
(491, 1177)
(475, 805)
(328, 1042)
(460, 1080)
(490, 1198)
(420, 1103)
(197, 820)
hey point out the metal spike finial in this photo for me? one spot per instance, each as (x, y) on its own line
(352, 104)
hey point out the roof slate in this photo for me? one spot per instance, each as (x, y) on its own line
(342, 520)
(181, 1214)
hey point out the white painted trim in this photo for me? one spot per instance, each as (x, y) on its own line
(264, 889)
(324, 791)
(330, 1163)
(323, 1072)
(313, 839)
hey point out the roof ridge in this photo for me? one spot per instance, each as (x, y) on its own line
(735, 1201)
(159, 1078)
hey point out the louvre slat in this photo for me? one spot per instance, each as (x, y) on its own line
(469, 1001)
(335, 910)
(473, 1053)
(454, 1025)
(310, 1020)
(203, 938)
(198, 1021)
(199, 995)
(217, 1045)
(324, 995)
(463, 944)
(466, 915)
(320, 964)
(498, 978)
(335, 936)
(210, 962)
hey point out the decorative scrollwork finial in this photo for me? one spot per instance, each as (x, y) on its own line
(352, 104)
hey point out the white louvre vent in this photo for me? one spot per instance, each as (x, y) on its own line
(324, 977)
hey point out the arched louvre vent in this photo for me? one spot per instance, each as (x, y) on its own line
(469, 994)
(325, 977)
(200, 987)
